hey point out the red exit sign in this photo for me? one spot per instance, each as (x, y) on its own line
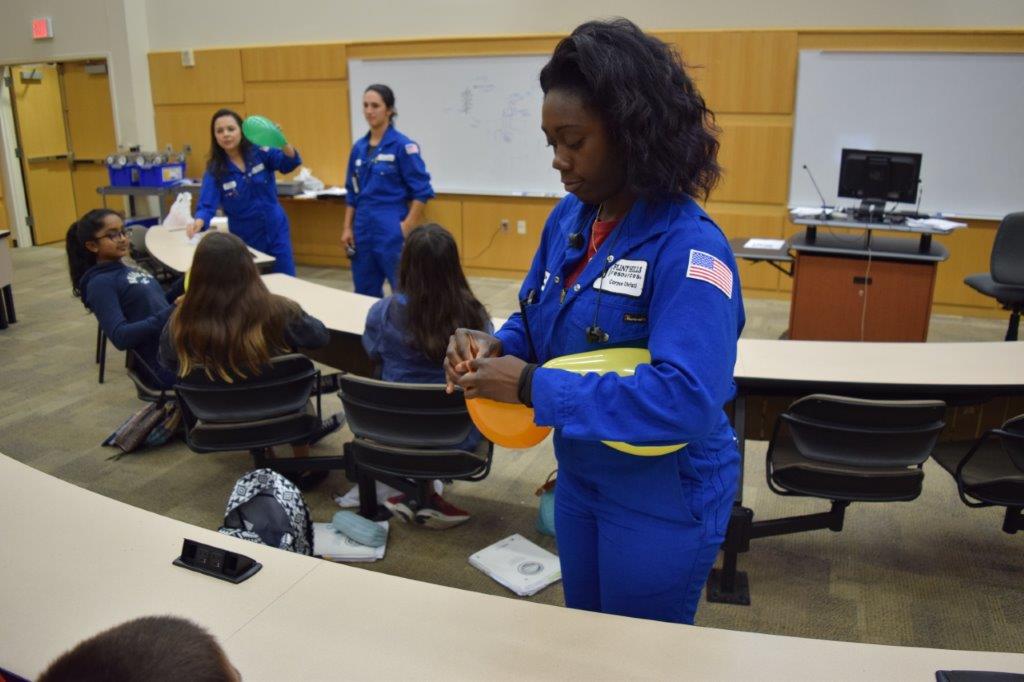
(42, 29)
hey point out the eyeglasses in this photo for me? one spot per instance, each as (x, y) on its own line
(115, 236)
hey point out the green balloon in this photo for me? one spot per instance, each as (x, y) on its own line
(262, 132)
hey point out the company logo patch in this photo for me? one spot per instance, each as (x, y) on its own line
(624, 277)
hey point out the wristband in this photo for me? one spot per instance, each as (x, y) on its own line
(525, 392)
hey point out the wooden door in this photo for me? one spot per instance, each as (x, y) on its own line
(38, 106)
(90, 126)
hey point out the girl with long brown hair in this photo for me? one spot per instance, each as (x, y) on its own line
(230, 325)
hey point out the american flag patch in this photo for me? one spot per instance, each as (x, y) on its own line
(412, 148)
(704, 266)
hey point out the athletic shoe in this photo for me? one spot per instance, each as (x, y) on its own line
(439, 514)
(398, 505)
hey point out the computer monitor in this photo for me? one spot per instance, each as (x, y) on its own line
(877, 177)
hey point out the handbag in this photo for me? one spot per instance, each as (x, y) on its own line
(153, 425)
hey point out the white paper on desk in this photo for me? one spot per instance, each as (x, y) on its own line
(768, 244)
(330, 544)
(196, 238)
(332, 192)
(806, 211)
(519, 565)
(936, 223)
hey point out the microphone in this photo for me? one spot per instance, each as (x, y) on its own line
(576, 240)
(596, 335)
(820, 195)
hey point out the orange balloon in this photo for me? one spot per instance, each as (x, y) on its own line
(507, 424)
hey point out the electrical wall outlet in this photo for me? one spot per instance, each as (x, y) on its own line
(521, 227)
(504, 224)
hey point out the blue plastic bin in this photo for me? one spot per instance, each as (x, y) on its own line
(161, 175)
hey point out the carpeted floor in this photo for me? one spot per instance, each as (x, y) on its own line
(926, 573)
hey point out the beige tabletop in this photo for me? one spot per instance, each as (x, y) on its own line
(74, 562)
(987, 364)
(172, 248)
(339, 310)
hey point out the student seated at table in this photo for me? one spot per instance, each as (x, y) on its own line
(407, 333)
(230, 325)
(129, 304)
(148, 649)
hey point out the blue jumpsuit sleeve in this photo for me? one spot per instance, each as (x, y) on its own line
(414, 173)
(513, 333)
(678, 397)
(102, 299)
(350, 188)
(373, 334)
(276, 160)
(209, 199)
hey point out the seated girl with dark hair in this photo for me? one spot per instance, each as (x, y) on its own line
(407, 334)
(129, 304)
(230, 325)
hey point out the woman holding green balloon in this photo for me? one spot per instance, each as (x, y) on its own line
(240, 179)
(628, 260)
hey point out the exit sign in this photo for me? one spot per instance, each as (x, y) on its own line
(42, 29)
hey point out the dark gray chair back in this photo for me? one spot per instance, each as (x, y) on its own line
(1012, 439)
(1007, 264)
(865, 433)
(404, 415)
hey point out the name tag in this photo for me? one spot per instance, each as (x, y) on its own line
(624, 277)
(359, 162)
(229, 185)
(390, 158)
(545, 282)
(256, 169)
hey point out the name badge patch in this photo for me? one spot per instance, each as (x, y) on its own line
(624, 277)
(229, 185)
(359, 162)
(545, 282)
(256, 169)
(389, 158)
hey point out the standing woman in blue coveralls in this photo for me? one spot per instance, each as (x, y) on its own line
(627, 259)
(388, 185)
(240, 179)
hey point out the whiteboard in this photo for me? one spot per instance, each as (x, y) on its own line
(963, 112)
(476, 120)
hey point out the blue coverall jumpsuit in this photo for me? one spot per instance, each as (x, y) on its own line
(380, 188)
(637, 536)
(249, 200)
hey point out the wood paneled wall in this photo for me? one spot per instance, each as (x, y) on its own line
(748, 78)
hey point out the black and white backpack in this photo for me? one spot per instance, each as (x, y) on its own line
(267, 508)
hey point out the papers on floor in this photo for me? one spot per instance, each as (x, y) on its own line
(935, 223)
(768, 244)
(330, 544)
(519, 565)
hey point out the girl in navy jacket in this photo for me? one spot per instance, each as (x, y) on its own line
(129, 303)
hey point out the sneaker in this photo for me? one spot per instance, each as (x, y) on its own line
(439, 514)
(399, 506)
(327, 427)
(351, 499)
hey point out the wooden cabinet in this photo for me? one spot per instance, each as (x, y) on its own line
(842, 298)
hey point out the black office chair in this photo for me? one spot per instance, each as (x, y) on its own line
(271, 408)
(1005, 279)
(145, 378)
(848, 450)
(992, 471)
(407, 432)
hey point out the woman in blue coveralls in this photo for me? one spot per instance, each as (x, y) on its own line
(388, 185)
(628, 258)
(240, 179)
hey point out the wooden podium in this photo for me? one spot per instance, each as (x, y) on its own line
(862, 288)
